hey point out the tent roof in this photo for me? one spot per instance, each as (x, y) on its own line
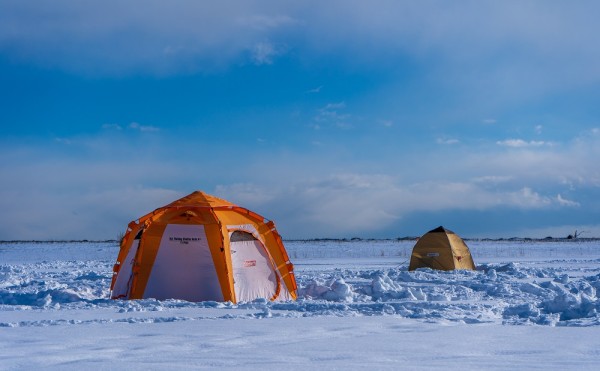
(441, 229)
(200, 199)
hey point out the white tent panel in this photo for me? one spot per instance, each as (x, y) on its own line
(123, 281)
(184, 267)
(253, 273)
(284, 294)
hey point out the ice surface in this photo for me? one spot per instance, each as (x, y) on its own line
(56, 294)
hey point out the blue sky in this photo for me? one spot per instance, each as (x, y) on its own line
(344, 119)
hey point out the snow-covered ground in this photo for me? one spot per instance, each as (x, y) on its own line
(530, 304)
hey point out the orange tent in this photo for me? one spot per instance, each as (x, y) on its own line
(203, 248)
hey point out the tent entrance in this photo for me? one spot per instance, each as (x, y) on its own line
(253, 272)
(184, 266)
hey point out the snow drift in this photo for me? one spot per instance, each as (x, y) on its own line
(561, 291)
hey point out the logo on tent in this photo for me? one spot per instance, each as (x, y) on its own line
(249, 263)
(185, 240)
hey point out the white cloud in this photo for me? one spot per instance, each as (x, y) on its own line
(494, 179)
(112, 127)
(315, 90)
(354, 204)
(447, 141)
(307, 200)
(89, 190)
(330, 113)
(564, 202)
(318, 191)
(264, 22)
(245, 194)
(520, 143)
(78, 213)
(265, 52)
(538, 129)
(527, 198)
(334, 106)
(143, 128)
(66, 141)
(115, 37)
(571, 164)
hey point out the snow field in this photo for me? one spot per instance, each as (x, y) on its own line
(529, 305)
(560, 292)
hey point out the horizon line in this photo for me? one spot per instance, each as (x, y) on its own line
(332, 239)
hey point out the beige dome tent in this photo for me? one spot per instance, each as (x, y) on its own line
(203, 248)
(441, 249)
